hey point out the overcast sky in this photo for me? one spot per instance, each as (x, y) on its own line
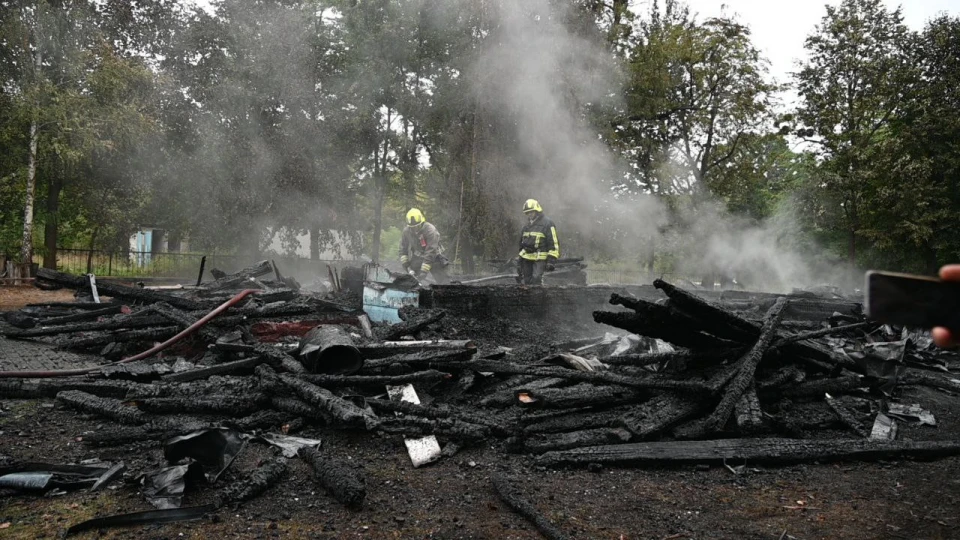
(779, 27)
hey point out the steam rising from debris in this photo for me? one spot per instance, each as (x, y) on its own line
(541, 72)
(543, 76)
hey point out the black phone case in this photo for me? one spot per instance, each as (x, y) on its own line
(915, 301)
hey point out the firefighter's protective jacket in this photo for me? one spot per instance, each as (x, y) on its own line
(539, 241)
(422, 242)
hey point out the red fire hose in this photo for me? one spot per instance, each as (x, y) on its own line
(154, 350)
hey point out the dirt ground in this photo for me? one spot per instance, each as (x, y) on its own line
(454, 498)
(16, 297)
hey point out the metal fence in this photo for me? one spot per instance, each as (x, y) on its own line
(187, 266)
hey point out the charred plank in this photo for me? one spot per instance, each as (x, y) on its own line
(512, 497)
(113, 409)
(336, 477)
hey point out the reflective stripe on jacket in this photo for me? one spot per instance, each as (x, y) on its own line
(539, 240)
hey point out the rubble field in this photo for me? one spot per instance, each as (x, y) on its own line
(249, 407)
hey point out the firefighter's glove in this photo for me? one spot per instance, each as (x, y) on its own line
(551, 266)
(411, 272)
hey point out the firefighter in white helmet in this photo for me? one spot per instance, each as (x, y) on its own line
(539, 245)
(420, 249)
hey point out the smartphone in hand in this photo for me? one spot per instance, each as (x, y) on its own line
(910, 300)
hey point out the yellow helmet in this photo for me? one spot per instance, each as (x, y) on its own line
(531, 206)
(415, 217)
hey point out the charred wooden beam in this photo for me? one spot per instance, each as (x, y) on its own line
(146, 334)
(660, 413)
(115, 323)
(538, 444)
(820, 387)
(118, 291)
(416, 409)
(745, 376)
(817, 334)
(411, 327)
(48, 388)
(428, 377)
(336, 477)
(411, 426)
(433, 359)
(111, 309)
(159, 430)
(391, 348)
(720, 321)
(571, 421)
(259, 481)
(661, 326)
(513, 498)
(926, 379)
(69, 305)
(341, 409)
(113, 409)
(597, 377)
(301, 409)
(508, 397)
(580, 395)
(847, 417)
(240, 278)
(226, 368)
(183, 320)
(748, 413)
(789, 374)
(650, 359)
(214, 404)
(771, 450)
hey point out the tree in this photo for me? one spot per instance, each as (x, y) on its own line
(856, 79)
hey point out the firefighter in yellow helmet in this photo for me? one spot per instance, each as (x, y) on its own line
(420, 249)
(539, 245)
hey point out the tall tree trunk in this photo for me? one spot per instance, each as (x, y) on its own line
(380, 168)
(26, 248)
(315, 242)
(93, 243)
(52, 225)
(930, 260)
(852, 246)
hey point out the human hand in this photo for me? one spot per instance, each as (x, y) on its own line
(942, 336)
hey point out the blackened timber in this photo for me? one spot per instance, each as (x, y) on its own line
(772, 450)
(926, 379)
(847, 417)
(748, 413)
(817, 334)
(259, 481)
(300, 408)
(159, 430)
(745, 377)
(507, 398)
(820, 387)
(789, 374)
(451, 427)
(115, 323)
(408, 328)
(660, 413)
(239, 278)
(336, 477)
(111, 309)
(214, 404)
(397, 348)
(183, 320)
(226, 368)
(597, 377)
(106, 407)
(416, 409)
(538, 444)
(258, 420)
(649, 359)
(118, 291)
(146, 334)
(69, 305)
(722, 322)
(580, 395)
(424, 358)
(513, 498)
(571, 422)
(341, 409)
(48, 388)
(429, 376)
(660, 327)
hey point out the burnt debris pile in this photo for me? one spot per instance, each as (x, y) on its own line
(203, 372)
